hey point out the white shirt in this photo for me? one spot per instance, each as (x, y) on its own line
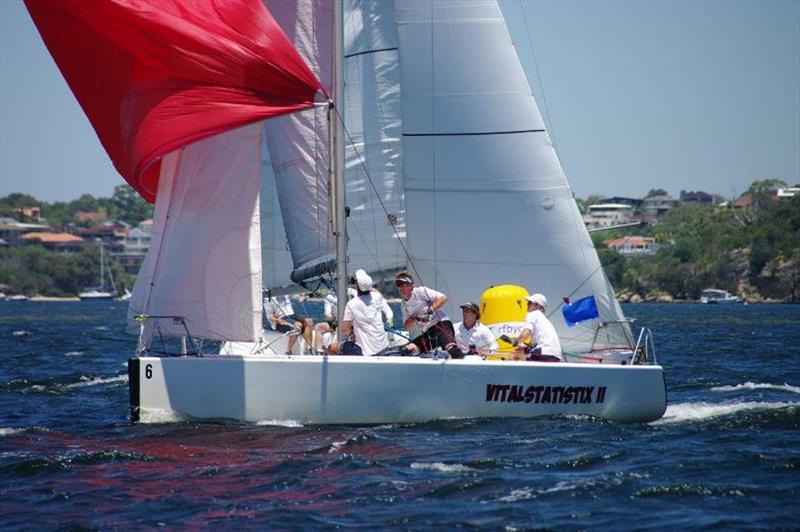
(277, 307)
(417, 306)
(543, 334)
(364, 312)
(330, 305)
(480, 336)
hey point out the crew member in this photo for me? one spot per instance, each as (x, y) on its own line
(472, 336)
(329, 325)
(540, 331)
(363, 318)
(422, 306)
(283, 318)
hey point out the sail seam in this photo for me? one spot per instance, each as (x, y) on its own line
(473, 133)
(365, 52)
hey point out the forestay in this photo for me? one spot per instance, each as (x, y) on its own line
(486, 198)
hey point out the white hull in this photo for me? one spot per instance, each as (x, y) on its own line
(356, 390)
(95, 295)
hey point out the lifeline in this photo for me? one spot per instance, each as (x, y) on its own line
(517, 393)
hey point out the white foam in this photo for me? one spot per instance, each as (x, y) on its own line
(20, 333)
(291, 423)
(442, 467)
(8, 431)
(157, 415)
(74, 353)
(758, 386)
(692, 412)
(86, 381)
(517, 495)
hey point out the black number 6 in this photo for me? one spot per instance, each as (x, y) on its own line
(148, 371)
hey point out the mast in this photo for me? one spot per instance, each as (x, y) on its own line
(336, 133)
(102, 273)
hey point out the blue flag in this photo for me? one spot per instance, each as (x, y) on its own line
(580, 310)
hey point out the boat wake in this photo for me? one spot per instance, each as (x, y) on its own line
(290, 423)
(156, 415)
(694, 412)
(90, 381)
(758, 386)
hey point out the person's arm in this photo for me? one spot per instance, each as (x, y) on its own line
(347, 327)
(438, 304)
(388, 314)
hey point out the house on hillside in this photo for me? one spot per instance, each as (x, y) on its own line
(607, 214)
(111, 234)
(31, 213)
(633, 246)
(788, 192)
(90, 217)
(135, 246)
(60, 242)
(11, 230)
(697, 196)
(658, 205)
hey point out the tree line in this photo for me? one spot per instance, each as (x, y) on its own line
(753, 252)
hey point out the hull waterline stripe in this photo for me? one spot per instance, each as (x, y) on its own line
(467, 134)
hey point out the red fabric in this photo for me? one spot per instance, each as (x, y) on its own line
(155, 75)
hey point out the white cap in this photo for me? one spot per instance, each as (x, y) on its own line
(539, 299)
(363, 281)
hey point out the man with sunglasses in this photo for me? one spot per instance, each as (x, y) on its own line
(422, 307)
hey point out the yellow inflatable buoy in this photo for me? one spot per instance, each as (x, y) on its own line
(503, 310)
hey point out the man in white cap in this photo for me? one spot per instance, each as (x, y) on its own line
(541, 333)
(362, 318)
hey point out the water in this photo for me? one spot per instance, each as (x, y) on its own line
(726, 454)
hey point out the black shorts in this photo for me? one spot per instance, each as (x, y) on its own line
(439, 335)
(291, 318)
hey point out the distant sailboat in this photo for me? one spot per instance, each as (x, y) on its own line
(99, 292)
(444, 162)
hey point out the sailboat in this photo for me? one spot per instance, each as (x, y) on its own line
(99, 292)
(414, 117)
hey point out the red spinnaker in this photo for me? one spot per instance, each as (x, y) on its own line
(155, 75)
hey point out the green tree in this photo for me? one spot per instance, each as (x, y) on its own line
(129, 206)
(656, 192)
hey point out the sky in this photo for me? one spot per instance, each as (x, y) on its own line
(685, 95)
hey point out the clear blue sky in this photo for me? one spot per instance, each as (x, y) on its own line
(675, 95)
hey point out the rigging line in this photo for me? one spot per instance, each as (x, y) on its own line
(433, 166)
(392, 222)
(356, 54)
(538, 76)
(561, 303)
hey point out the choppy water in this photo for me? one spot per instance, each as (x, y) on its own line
(726, 454)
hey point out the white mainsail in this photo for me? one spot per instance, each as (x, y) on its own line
(486, 198)
(204, 262)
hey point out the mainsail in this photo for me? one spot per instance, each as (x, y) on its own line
(487, 201)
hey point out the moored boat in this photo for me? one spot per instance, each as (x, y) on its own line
(716, 296)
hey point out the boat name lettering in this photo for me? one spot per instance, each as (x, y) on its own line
(519, 393)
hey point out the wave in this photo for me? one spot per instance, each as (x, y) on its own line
(74, 353)
(693, 412)
(157, 415)
(758, 386)
(442, 467)
(4, 431)
(290, 423)
(89, 381)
